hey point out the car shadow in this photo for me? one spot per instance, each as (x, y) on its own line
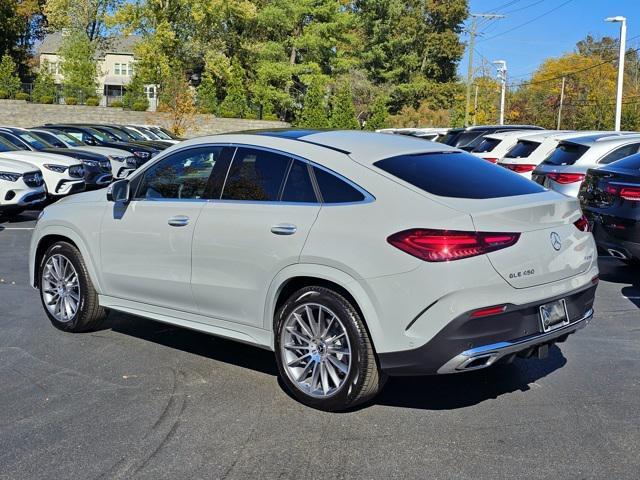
(26, 216)
(616, 271)
(446, 392)
(450, 392)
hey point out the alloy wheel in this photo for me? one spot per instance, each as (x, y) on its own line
(60, 288)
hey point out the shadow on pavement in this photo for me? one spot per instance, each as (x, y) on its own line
(445, 392)
(616, 271)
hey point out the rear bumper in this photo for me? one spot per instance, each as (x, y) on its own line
(606, 241)
(468, 343)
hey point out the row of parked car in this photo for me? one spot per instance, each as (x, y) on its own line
(43, 163)
(600, 168)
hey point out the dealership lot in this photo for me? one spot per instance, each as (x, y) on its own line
(139, 399)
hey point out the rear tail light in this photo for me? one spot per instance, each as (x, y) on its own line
(519, 168)
(565, 178)
(627, 193)
(492, 160)
(486, 312)
(444, 245)
(582, 224)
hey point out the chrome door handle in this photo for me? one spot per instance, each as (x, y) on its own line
(284, 229)
(179, 221)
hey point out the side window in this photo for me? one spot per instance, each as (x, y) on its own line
(255, 175)
(334, 189)
(184, 175)
(619, 153)
(298, 186)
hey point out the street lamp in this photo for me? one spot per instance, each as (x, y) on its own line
(621, 55)
(502, 76)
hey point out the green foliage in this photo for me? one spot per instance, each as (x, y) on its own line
(46, 99)
(92, 102)
(22, 96)
(70, 100)
(116, 104)
(378, 116)
(343, 113)
(207, 94)
(88, 16)
(78, 66)
(135, 94)
(314, 109)
(44, 85)
(235, 102)
(4, 94)
(9, 80)
(140, 106)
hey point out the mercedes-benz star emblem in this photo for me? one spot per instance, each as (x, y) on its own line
(556, 243)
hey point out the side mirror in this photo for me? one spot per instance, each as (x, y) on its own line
(119, 191)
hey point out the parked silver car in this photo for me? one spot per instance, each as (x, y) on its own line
(565, 169)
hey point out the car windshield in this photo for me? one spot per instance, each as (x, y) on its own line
(522, 149)
(486, 145)
(458, 175)
(133, 133)
(6, 146)
(103, 137)
(34, 141)
(566, 153)
(50, 138)
(69, 139)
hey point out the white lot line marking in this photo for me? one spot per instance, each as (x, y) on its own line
(16, 228)
(631, 298)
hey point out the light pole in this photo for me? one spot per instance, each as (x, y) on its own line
(621, 55)
(502, 76)
(472, 42)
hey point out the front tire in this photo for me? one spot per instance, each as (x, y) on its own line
(324, 354)
(67, 294)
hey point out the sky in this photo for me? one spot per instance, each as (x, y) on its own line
(562, 23)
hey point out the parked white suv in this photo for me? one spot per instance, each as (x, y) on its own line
(21, 186)
(62, 175)
(352, 255)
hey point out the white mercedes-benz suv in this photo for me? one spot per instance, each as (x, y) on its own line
(352, 255)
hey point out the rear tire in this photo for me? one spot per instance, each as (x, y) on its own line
(324, 354)
(66, 291)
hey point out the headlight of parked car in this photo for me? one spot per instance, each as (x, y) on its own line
(10, 176)
(90, 163)
(55, 168)
(142, 155)
(131, 162)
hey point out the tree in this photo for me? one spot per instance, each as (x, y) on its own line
(134, 98)
(314, 110)
(78, 66)
(343, 114)
(177, 101)
(44, 85)
(378, 115)
(21, 23)
(9, 80)
(88, 16)
(235, 102)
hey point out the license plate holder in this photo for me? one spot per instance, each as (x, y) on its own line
(553, 315)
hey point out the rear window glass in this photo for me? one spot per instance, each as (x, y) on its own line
(486, 145)
(466, 137)
(522, 149)
(456, 174)
(630, 163)
(566, 154)
(448, 137)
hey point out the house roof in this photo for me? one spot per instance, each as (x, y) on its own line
(124, 44)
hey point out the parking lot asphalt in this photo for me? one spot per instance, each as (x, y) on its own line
(140, 399)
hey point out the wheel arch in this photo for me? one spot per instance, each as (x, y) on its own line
(62, 234)
(299, 276)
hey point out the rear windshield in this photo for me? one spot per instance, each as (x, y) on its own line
(522, 149)
(457, 174)
(486, 145)
(566, 154)
(632, 162)
(448, 137)
(465, 138)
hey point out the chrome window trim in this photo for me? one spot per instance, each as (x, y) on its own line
(368, 197)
